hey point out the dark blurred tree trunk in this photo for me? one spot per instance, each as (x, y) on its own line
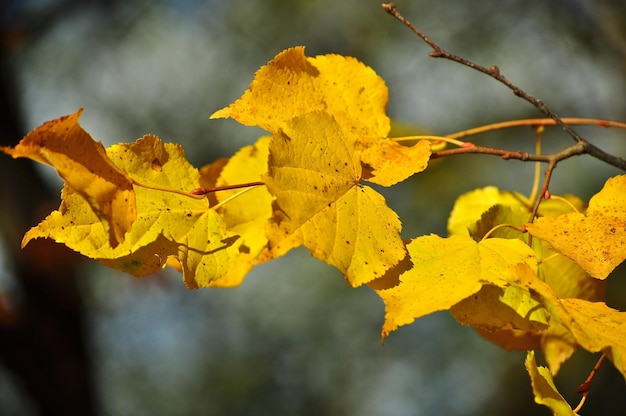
(43, 340)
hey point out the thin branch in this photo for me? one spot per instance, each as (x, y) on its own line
(535, 122)
(573, 150)
(584, 388)
(494, 73)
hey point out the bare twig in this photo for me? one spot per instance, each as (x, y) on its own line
(584, 388)
(494, 73)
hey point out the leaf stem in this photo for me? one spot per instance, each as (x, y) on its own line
(230, 198)
(436, 146)
(198, 193)
(535, 188)
(204, 191)
(536, 122)
(515, 227)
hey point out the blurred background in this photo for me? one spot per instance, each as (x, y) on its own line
(79, 339)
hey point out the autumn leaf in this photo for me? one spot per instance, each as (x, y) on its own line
(167, 224)
(388, 162)
(448, 270)
(469, 207)
(561, 274)
(292, 85)
(245, 212)
(544, 389)
(85, 167)
(596, 327)
(595, 240)
(314, 173)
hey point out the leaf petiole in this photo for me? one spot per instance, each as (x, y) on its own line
(230, 198)
(439, 142)
(198, 193)
(515, 227)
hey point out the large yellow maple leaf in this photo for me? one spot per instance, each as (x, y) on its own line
(315, 174)
(595, 240)
(86, 169)
(293, 84)
(167, 223)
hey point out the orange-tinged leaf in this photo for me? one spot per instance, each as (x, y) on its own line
(167, 224)
(292, 84)
(597, 240)
(84, 166)
(448, 270)
(390, 162)
(544, 389)
(314, 173)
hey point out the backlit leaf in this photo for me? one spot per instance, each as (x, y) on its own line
(448, 270)
(84, 166)
(391, 162)
(544, 388)
(597, 240)
(247, 214)
(167, 224)
(292, 84)
(596, 327)
(314, 173)
(469, 207)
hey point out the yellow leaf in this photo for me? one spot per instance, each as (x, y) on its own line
(247, 214)
(495, 309)
(597, 327)
(314, 173)
(446, 271)
(167, 224)
(292, 84)
(391, 162)
(469, 207)
(544, 388)
(85, 167)
(597, 240)
(535, 300)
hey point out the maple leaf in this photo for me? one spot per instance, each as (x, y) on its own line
(597, 240)
(448, 270)
(167, 223)
(314, 173)
(544, 389)
(292, 84)
(85, 167)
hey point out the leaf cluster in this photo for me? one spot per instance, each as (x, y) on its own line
(528, 273)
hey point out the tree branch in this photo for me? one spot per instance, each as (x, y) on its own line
(494, 73)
